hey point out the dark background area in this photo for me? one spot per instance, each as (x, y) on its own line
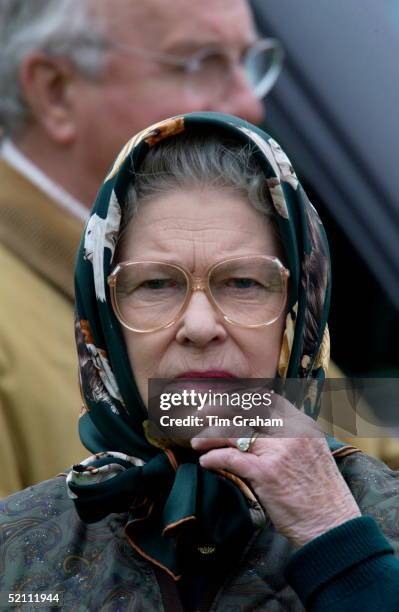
(335, 109)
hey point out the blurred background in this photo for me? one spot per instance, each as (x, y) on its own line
(334, 109)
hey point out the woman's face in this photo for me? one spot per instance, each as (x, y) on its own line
(196, 228)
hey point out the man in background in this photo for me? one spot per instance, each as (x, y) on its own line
(77, 79)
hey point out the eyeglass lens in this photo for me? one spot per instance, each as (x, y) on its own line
(151, 295)
(261, 64)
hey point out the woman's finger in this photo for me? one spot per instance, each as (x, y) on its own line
(213, 437)
(230, 459)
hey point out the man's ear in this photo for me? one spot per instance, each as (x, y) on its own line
(47, 87)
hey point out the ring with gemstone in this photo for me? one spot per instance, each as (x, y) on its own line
(244, 444)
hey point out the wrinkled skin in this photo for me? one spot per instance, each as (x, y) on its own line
(296, 479)
(197, 228)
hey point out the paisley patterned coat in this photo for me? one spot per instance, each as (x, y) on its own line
(44, 547)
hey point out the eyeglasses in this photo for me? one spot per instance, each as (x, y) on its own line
(210, 69)
(248, 291)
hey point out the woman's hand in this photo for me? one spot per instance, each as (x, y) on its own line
(295, 478)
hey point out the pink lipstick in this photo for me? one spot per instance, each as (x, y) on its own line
(207, 374)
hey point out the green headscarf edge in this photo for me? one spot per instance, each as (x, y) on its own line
(111, 423)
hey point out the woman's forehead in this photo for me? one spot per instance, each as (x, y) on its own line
(200, 223)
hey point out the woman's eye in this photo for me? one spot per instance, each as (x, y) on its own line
(242, 283)
(158, 283)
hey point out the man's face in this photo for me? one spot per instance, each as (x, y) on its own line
(136, 91)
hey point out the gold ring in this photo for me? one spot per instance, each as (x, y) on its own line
(244, 444)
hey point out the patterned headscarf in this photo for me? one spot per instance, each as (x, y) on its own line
(171, 501)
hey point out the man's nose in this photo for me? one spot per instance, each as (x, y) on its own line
(239, 98)
(200, 323)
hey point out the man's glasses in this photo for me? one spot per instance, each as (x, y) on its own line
(211, 69)
(248, 291)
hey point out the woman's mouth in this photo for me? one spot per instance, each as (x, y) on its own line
(207, 374)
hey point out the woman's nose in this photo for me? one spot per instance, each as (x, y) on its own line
(200, 323)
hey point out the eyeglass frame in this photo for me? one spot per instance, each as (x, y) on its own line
(191, 64)
(196, 284)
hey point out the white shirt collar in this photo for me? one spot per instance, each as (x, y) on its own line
(13, 156)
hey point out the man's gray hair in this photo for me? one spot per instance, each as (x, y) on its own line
(64, 28)
(195, 162)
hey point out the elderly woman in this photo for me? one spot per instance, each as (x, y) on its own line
(204, 259)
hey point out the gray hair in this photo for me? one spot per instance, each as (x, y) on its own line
(56, 27)
(198, 161)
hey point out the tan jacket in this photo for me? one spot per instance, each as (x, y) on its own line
(39, 393)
